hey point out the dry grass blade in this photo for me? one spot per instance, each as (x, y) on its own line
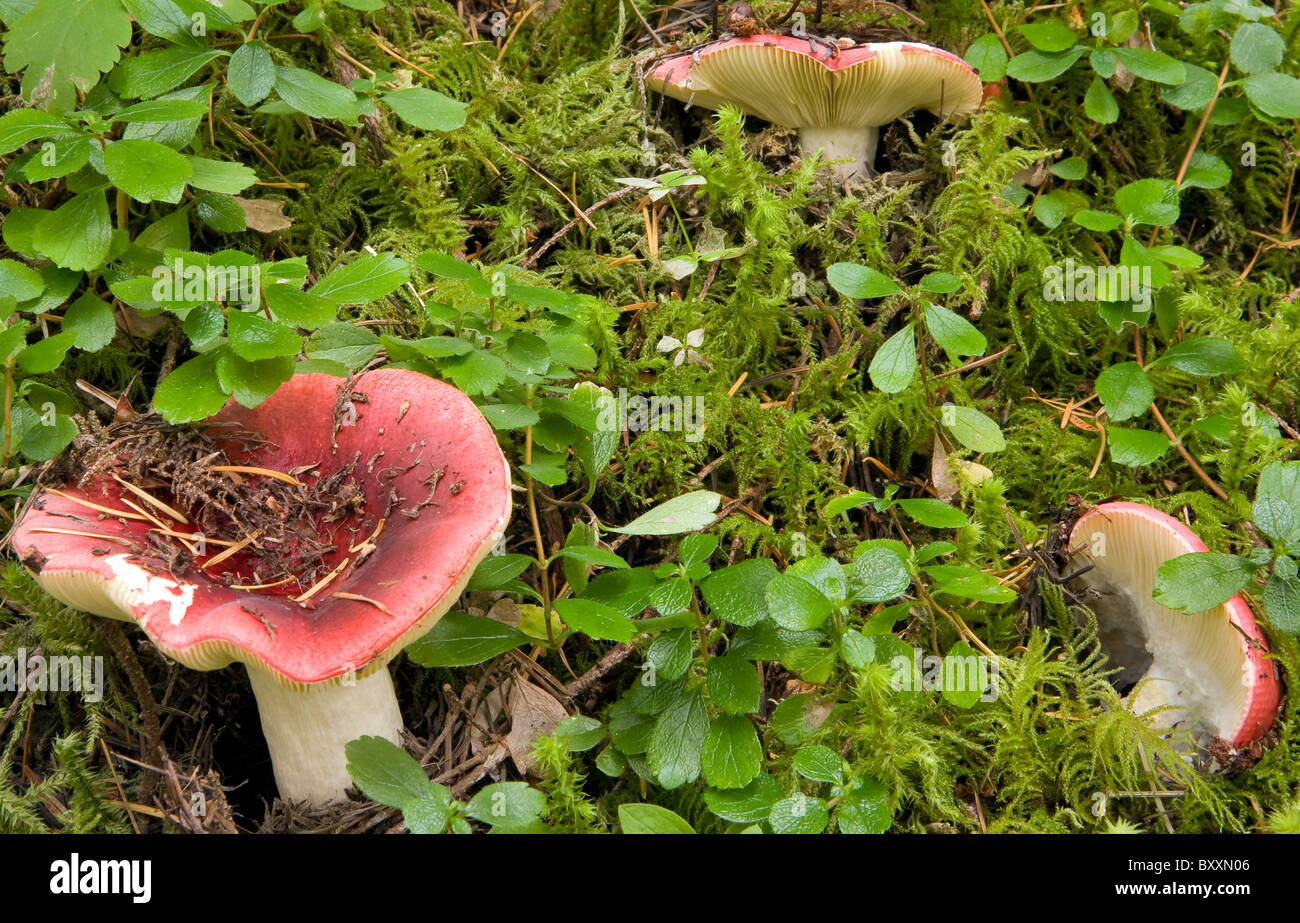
(108, 538)
(106, 510)
(235, 548)
(323, 581)
(153, 501)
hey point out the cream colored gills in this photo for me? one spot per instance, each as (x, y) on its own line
(1195, 659)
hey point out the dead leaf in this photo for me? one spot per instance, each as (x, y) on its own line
(533, 712)
(265, 215)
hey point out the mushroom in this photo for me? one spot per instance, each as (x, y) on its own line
(1210, 668)
(836, 98)
(436, 500)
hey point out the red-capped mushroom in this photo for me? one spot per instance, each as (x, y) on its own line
(1210, 668)
(436, 500)
(836, 98)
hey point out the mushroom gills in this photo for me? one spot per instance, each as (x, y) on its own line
(1168, 660)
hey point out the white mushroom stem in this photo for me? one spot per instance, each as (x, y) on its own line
(307, 728)
(857, 146)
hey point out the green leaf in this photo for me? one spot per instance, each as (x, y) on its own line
(146, 170)
(1071, 168)
(1148, 201)
(428, 813)
(878, 575)
(191, 392)
(477, 372)
(46, 355)
(968, 583)
(671, 654)
(22, 126)
(864, 809)
(20, 282)
(461, 640)
(595, 620)
(594, 448)
(819, 764)
(799, 814)
(91, 322)
(971, 673)
(894, 364)
(857, 649)
(1195, 92)
(973, 429)
(253, 337)
(1037, 66)
(1281, 602)
(687, 513)
(677, 740)
(1204, 356)
(1151, 65)
(313, 95)
(1049, 36)
(77, 234)
(251, 73)
(591, 556)
(1207, 171)
(734, 687)
(384, 772)
(161, 110)
(1279, 485)
(352, 346)
(250, 383)
(737, 594)
(220, 175)
(497, 570)
(579, 733)
(650, 818)
(509, 416)
(987, 56)
(367, 278)
(507, 806)
(1202, 580)
(299, 309)
(1093, 220)
(939, 283)
(426, 109)
(732, 755)
(1275, 94)
(221, 213)
(1256, 48)
(1125, 390)
(934, 513)
(1135, 447)
(954, 333)
(63, 46)
(155, 72)
(795, 603)
(853, 280)
(1099, 103)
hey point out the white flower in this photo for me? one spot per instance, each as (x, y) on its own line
(685, 351)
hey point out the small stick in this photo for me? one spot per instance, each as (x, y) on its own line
(261, 586)
(124, 514)
(153, 501)
(357, 597)
(232, 550)
(253, 469)
(111, 538)
(323, 581)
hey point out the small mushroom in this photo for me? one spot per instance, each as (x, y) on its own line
(1211, 668)
(318, 667)
(836, 97)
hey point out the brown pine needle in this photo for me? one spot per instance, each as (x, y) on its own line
(107, 510)
(261, 586)
(153, 501)
(371, 540)
(264, 472)
(234, 548)
(144, 512)
(364, 599)
(108, 538)
(323, 581)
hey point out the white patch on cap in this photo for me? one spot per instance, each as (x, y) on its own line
(146, 588)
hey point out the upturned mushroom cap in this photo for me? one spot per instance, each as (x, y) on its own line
(1210, 667)
(430, 469)
(419, 566)
(836, 98)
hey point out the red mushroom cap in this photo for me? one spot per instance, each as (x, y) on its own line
(1217, 660)
(419, 566)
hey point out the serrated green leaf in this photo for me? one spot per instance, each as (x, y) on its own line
(731, 756)
(1201, 581)
(461, 640)
(894, 364)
